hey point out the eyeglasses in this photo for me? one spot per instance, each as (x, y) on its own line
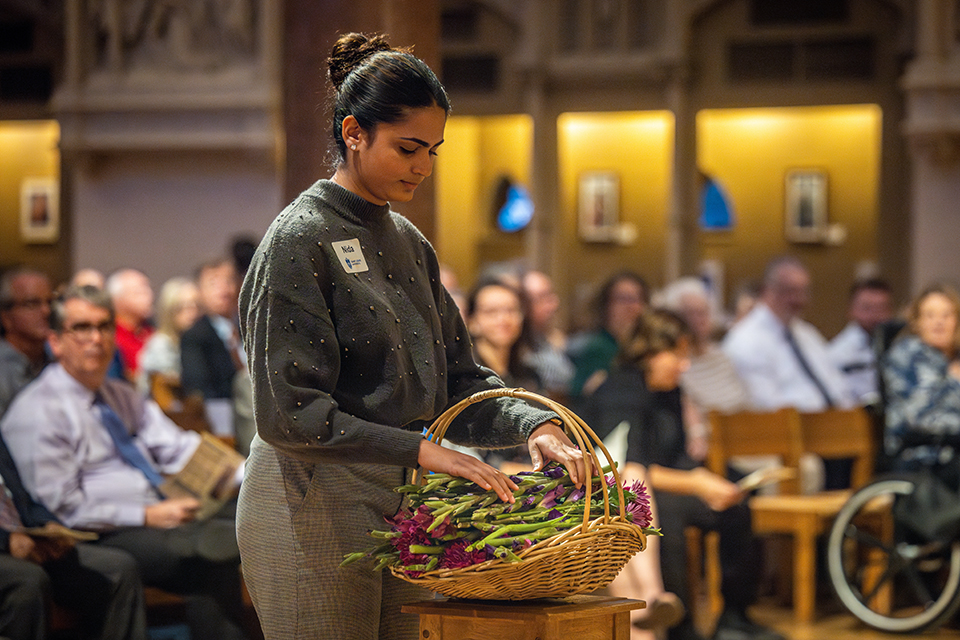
(86, 331)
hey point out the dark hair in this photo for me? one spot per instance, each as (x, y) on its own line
(606, 292)
(869, 284)
(88, 293)
(6, 283)
(376, 83)
(657, 330)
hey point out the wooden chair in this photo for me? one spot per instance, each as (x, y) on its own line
(831, 434)
(746, 433)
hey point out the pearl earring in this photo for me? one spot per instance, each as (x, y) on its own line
(354, 147)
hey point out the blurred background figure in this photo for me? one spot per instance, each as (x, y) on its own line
(546, 353)
(25, 296)
(211, 353)
(496, 321)
(711, 382)
(178, 308)
(621, 301)
(642, 390)
(132, 298)
(88, 277)
(921, 374)
(852, 350)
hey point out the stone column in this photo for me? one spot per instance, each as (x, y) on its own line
(932, 85)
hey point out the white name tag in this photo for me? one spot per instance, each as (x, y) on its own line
(350, 256)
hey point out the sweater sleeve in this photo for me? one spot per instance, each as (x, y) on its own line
(494, 423)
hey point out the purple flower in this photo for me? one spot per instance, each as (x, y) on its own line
(576, 494)
(456, 555)
(553, 471)
(638, 509)
(550, 497)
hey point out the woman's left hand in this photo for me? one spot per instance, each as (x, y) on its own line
(549, 442)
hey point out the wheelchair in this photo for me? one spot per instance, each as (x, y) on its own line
(887, 574)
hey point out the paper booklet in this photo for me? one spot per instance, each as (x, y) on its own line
(208, 476)
(766, 476)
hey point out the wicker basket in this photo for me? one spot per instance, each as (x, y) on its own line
(580, 560)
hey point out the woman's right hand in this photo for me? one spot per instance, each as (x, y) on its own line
(717, 492)
(439, 459)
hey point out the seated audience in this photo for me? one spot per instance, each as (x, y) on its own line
(25, 296)
(92, 450)
(852, 349)
(101, 585)
(547, 343)
(643, 391)
(177, 309)
(921, 374)
(211, 352)
(132, 298)
(622, 299)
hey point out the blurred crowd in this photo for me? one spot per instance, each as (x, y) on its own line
(104, 349)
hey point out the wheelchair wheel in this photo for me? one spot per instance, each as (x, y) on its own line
(885, 575)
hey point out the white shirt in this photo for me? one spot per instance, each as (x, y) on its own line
(68, 460)
(851, 351)
(769, 369)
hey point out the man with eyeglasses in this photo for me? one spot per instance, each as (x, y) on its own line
(25, 295)
(93, 451)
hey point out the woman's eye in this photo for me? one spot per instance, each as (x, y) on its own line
(409, 152)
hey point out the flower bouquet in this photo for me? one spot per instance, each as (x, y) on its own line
(458, 540)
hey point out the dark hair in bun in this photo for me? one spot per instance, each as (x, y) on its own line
(376, 83)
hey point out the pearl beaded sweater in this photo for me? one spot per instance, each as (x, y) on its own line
(354, 345)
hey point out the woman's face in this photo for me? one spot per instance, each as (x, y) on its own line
(188, 308)
(937, 322)
(497, 317)
(391, 161)
(624, 307)
(664, 368)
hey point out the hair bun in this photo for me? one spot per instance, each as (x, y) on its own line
(349, 51)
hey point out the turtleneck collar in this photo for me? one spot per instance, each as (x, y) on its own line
(348, 204)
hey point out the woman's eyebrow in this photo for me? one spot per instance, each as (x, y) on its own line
(422, 143)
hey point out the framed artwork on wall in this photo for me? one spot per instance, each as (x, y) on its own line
(40, 210)
(599, 206)
(805, 205)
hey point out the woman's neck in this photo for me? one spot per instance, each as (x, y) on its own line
(494, 357)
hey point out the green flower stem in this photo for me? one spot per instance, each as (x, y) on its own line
(419, 548)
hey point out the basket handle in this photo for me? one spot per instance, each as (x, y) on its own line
(584, 436)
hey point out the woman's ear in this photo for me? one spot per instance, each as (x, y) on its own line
(352, 132)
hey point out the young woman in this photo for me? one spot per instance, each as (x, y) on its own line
(354, 347)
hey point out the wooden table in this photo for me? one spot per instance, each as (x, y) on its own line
(580, 617)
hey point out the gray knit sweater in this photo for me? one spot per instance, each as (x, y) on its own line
(350, 360)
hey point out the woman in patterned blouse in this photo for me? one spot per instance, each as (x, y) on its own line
(922, 377)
